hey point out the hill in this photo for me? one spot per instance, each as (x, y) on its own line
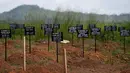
(24, 13)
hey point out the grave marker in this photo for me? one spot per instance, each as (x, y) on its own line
(124, 33)
(56, 26)
(44, 26)
(95, 32)
(121, 28)
(83, 34)
(47, 28)
(20, 26)
(114, 28)
(91, 26)
(72, 30)
(48, 31)
(79, 27)
(57, 37)
(13, 27)
(29, 30)
(5, 33)
(107, 28)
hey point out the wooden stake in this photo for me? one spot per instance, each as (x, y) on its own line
(24, 54)
(95, 45)
(57, 52)
(83, 46)
(72, 39)
(65, 62)
(48, 43)
(124, 46)
(30, 44)
(5, 49)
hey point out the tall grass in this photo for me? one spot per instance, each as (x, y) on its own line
(69, 19)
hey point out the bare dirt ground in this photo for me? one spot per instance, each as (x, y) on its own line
(42, 61)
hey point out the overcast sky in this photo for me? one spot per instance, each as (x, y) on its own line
(97, 6)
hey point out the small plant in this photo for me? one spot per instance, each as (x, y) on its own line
(45, 61)
(49, 58)
(116, 52)
(3, 70)
(50, 48)
(128, 53)
(85, 49)
(30, 62)
(17, 46)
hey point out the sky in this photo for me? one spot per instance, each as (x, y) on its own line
(86, 6)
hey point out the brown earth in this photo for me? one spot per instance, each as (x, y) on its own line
(42, 61)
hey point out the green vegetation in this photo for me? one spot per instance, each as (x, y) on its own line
(32, 15)
(64, 28)
(116, 52)
(17, 46)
